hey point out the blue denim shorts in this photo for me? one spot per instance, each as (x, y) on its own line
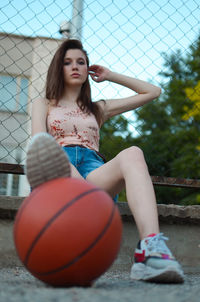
(85, 160)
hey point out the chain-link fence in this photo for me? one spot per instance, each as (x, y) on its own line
(156, 41)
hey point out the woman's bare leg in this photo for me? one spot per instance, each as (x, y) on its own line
(128, 169)
(74, 172)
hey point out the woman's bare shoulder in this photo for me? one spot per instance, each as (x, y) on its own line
(41, 101)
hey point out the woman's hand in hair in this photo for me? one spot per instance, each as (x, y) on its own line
(98, 73)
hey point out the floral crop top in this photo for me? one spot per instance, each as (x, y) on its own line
(70, 125)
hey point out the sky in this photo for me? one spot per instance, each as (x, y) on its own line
(128, 36)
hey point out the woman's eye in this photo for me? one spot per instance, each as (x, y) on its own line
(78, 62)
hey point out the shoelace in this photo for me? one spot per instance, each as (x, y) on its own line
(157, 244)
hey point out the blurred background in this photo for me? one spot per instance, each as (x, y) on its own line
(156, 41)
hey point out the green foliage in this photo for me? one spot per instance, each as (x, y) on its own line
(169, 140)
(115, 136)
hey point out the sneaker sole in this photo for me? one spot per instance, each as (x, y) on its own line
(45, 160)
(169, 274)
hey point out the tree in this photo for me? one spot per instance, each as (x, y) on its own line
(193, 94)
(170, 125)
(115, 136)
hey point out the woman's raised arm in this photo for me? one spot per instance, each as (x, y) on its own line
(145, 92)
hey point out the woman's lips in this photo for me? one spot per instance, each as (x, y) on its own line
(75, 75)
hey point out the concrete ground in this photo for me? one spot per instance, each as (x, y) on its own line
(17, 285)
(180, 224)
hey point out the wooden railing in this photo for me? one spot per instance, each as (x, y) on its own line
(157, 180)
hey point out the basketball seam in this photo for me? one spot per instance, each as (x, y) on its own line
(51, 220)
(83, 253)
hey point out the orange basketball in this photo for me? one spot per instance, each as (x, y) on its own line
(67, 232)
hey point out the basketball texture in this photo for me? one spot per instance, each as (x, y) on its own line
(67, 232)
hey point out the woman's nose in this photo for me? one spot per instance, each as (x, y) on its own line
(74, 65)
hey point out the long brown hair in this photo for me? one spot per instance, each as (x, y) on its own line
(55, 80)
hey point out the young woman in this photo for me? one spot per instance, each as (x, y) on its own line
(68, 118)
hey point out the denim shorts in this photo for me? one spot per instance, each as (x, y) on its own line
(85, 160)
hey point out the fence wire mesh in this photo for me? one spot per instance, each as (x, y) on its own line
(157, 41)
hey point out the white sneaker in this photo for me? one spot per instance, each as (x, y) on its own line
(45, 160)
(154, 262)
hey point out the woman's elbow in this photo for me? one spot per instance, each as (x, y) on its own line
(157, 92)
(154, 93)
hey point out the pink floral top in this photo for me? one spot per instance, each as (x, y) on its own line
(73, 126)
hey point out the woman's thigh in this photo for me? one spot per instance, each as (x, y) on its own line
(108, 177)
(74, 172)
(111, 176)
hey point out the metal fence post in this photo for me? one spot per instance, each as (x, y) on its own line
(77, 18)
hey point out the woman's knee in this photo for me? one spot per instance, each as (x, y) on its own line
(131, 155)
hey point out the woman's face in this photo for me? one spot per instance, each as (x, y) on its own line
(75, 67)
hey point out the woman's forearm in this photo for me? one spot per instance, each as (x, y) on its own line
(139, 86)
